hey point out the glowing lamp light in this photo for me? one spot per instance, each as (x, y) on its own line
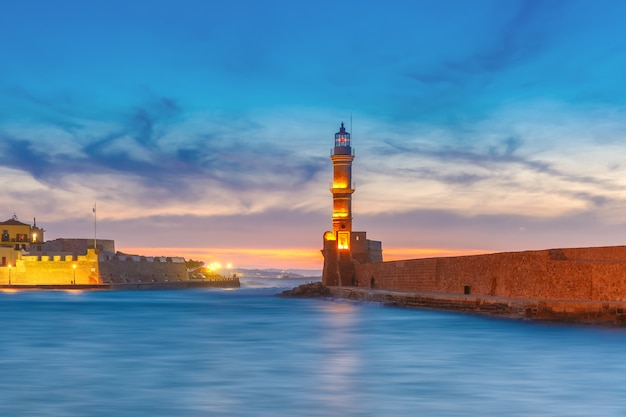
(214, 266)
(329, 236)
(344, 241)
(35, 237)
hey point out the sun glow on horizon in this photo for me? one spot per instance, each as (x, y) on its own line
(288, 258)
(249, 258)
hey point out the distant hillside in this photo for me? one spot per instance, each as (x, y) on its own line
(278, 273)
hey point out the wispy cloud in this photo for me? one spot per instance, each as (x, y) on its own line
(154, 161)
(497, 114)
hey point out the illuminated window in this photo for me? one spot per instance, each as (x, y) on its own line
(343, 240)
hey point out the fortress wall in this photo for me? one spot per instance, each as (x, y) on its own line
(531, 274)
(521, 275)
(54, 270)
(77, 246)
(414, 274)
(609, 281)
(125, 269)
(606, 253)
(59, 270)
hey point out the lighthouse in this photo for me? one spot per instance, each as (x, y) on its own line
(343, 247)
(341, 189)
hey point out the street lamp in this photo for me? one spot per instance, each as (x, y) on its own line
(9, 274)
(74, 266)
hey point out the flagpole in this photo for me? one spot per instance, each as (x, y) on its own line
(94, 226)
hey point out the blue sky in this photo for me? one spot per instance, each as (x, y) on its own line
(203, 128)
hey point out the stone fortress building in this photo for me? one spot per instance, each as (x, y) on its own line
(582, 284)
(29, 261)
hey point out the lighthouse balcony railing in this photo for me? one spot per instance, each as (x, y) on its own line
(341, 150)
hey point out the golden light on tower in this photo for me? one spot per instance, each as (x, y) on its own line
(339, 183)
(343, 240)
(342, 190)
(344, 248)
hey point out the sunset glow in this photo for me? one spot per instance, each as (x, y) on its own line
(483, 125)
(286, 258)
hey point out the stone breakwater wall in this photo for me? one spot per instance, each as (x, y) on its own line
(142, 269)
(588, 312)
(573, 274)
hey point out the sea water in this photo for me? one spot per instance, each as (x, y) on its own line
(246, 352)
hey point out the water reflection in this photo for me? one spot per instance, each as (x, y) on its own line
(248, 353)
(338, 373)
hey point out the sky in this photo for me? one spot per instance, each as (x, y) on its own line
(203, 128)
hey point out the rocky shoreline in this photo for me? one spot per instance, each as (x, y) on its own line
(310, 290)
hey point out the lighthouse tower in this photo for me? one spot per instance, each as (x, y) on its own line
(342, 157)
(343, 247)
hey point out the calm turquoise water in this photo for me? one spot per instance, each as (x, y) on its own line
(247, 353)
